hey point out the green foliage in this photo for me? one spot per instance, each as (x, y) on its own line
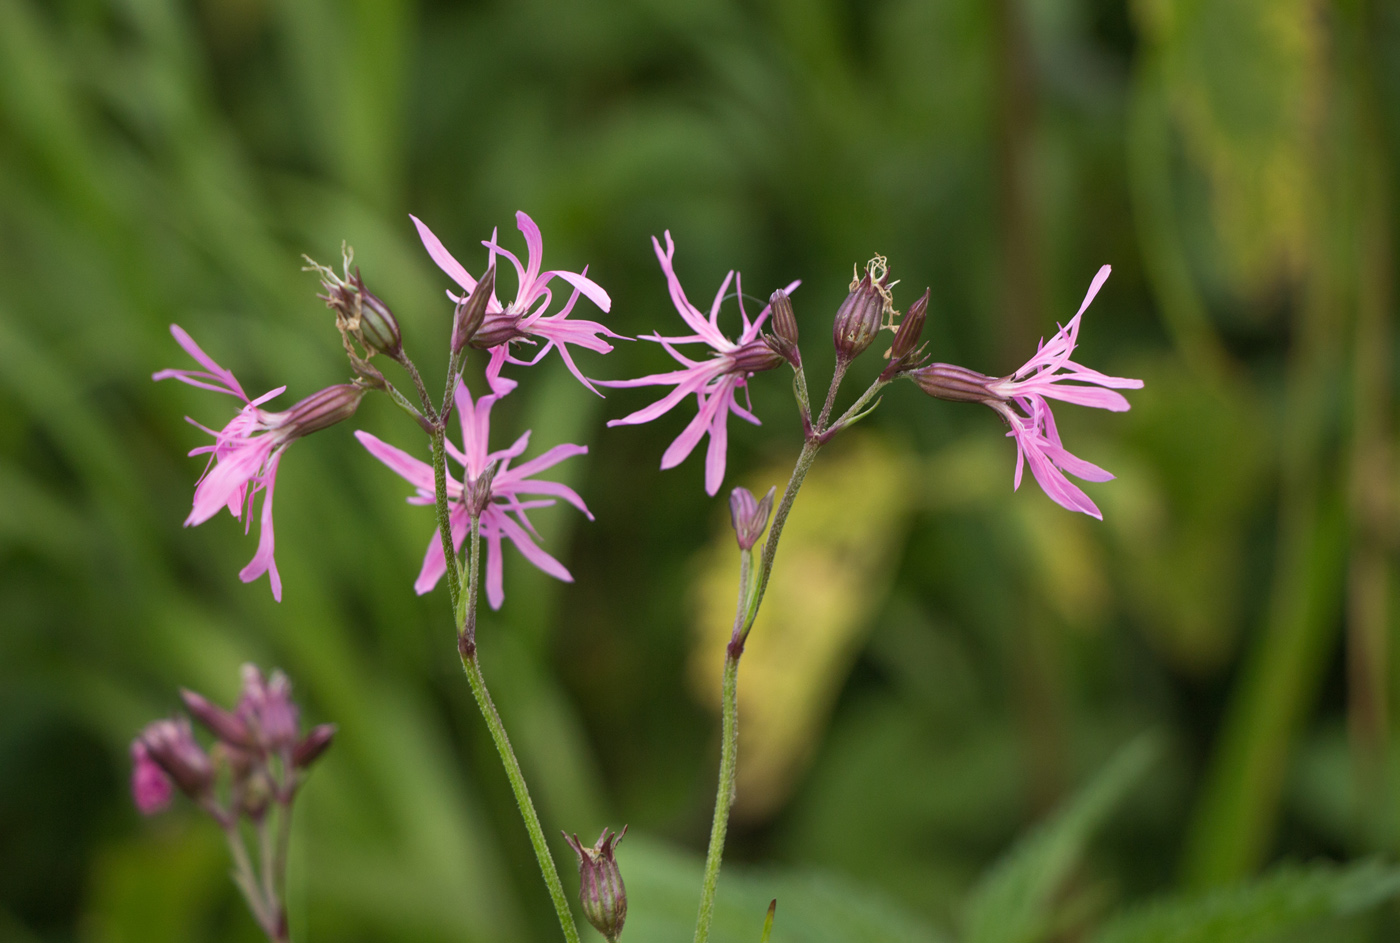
(169, 161)
(1286, 898)
(812, 907)
(1013, 903)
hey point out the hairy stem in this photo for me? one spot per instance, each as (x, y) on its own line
(841, 365)
(751, 592)
(466, 647)
(444, 514)
(522, 796)
(724, 796)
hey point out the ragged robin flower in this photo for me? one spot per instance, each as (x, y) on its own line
(715, 381)
(246, 452)
(1020, 399)
(492, 486)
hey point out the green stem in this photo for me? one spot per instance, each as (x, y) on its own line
(522, 795)
(841, 365)
(466, 647)
(724, 796)
(444, 514)
(750, 598)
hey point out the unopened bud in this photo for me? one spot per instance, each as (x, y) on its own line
(358, 312)
(858, 320)
(784, 338)
(951, 382)
(320, 410)
(471, 311)
(749, 517)
(268, 710)
(150, 787)
(221, 723)
(601, 890)
(911, 328)
(378, 328)
(754, 357)
(311, 747)
(172, 745)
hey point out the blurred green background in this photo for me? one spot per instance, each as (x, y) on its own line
(966, 658)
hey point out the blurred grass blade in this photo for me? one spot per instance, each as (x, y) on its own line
(1013, 901)
(1284, 899)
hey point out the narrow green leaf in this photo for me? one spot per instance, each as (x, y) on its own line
(1012, 903)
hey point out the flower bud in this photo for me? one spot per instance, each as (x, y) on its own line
(171, 744)
(749, 517)
(378, 329)
(951, 382)
(320, 410)
(858, 320)
(311, 747)
(267, 709)
(221, 723)
(904, 350)
(784, 338)
(754, 357)
(150, 787)
(601, 891)
(471, 312)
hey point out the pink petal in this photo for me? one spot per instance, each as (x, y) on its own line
(534, 554)
(442, 257)
(677, 451)
(495, 591)
(263, 561)
(417, 473)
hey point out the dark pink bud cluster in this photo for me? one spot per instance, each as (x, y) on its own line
(259, 752)
(252, 772)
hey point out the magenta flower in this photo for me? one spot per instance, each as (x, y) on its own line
(503, 514)
(1021, 400)
(715, 381)
(525, 318)
(150, 787)
(246, 452)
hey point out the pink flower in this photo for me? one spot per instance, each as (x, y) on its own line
(150, 787)
(525, 318)
(246, 452)
(715, 381)
(503, 514)
(1021, 400)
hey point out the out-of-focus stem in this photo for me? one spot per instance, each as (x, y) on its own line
(466, 646)
(246, 878)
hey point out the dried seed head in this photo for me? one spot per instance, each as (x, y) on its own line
(858, 319)
(378, 328)
(601, 891)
